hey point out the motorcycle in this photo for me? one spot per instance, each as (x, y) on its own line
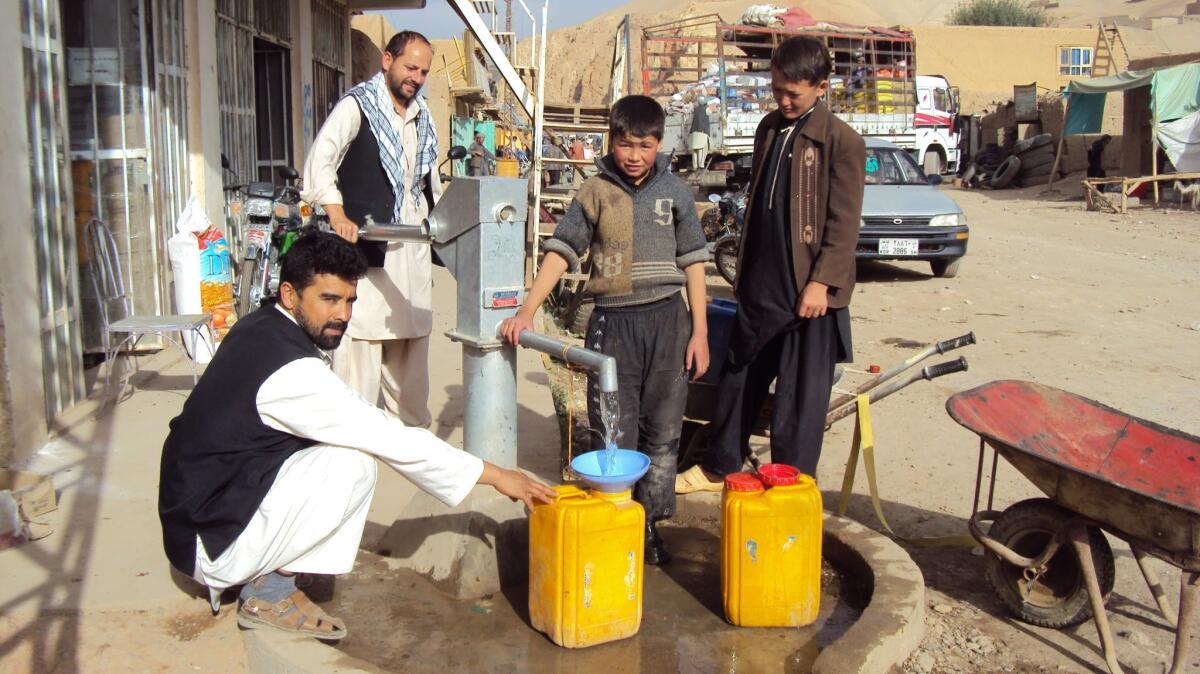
(273, 217)
(723, 230)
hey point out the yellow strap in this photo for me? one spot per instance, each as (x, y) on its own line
(864, 443)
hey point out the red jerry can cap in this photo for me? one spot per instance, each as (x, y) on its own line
(744, 481)
(778, 474)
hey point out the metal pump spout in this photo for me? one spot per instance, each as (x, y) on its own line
(604, 366)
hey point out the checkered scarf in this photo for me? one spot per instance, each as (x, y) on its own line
(375, 101)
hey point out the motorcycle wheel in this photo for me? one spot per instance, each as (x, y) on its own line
(725, 256)
(246, 287)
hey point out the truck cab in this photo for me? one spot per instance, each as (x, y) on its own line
(936, 141)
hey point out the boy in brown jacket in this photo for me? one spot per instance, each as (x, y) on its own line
(796, 273)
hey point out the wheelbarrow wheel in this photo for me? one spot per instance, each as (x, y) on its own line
(1057, 598)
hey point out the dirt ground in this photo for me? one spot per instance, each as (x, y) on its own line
(1101, 305)
(1097, 304)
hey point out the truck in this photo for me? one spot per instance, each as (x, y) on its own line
(725, 68)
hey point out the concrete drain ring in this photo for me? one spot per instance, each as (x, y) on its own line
(889, 629)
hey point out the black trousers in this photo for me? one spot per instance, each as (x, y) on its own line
(649, 343)
(801, 363)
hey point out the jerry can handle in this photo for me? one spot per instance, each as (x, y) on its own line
(569, 491)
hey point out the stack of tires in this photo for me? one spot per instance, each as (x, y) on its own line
(1036, 157)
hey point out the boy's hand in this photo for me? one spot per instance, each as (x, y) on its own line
(517, 485)
(814, 301)
(512, 328)
(696, 359)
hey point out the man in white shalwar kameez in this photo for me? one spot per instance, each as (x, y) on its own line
(376, 156)
(269, 469)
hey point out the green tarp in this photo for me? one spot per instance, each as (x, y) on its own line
(1174, 93)
(1085, 113)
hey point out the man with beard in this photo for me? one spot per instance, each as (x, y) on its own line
(269, 469)
(376, 156)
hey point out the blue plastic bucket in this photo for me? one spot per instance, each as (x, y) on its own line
(722, 314)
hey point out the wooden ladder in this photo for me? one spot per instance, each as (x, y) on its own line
(1104, 60)
(560, 121)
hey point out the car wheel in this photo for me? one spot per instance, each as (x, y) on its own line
(1006, 173)
(969, 174)
(946, 268)
(1028, 164)
(1031, 143)
(933, 164)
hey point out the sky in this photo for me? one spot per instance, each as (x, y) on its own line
(438, 21)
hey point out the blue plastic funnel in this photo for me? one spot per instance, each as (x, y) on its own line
(628, 467)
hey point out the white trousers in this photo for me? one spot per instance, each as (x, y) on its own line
(311, 521)
(699, 147)
(396, 370)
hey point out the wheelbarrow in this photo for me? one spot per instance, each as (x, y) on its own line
(702, 395)
(1103, 470)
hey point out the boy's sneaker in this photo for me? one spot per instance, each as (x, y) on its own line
(656, 550)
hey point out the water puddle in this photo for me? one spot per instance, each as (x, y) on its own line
(399, 621)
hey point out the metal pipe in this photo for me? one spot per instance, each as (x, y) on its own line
(490, 407)
(374, 231)
(604, 366)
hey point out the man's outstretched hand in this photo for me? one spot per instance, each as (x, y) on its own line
(516, 485)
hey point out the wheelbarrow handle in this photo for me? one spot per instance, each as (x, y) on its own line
(956, 343)
(890, 387)
(948, 367)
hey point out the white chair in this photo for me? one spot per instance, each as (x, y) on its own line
(109, 285)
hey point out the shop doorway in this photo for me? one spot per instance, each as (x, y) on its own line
(272, 108)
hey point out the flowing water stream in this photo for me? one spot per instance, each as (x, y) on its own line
(610, 412)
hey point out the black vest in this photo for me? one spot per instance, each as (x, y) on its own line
(366, 189)
(220, 459)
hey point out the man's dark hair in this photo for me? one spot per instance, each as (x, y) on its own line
(638, 116)
(399, 42)
(321, 253)
(802, 59)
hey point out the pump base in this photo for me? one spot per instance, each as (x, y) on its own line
(468, 551)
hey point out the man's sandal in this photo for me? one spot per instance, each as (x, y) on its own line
(295, 615)
(693, 479)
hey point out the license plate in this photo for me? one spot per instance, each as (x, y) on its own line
(897, 246)
(257, 236)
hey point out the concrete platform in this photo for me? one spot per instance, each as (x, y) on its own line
(65, 597)
(681, 623)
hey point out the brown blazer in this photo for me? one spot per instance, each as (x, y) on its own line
(828, 165)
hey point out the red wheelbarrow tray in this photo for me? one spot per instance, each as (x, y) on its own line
(1138, 477)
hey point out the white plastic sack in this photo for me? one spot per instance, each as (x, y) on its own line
(763, 15)
(1180, 140)
(184, 251)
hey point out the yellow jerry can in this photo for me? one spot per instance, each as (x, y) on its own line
(771, 548)
(585, 567)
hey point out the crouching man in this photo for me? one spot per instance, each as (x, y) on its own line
(269, 469)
